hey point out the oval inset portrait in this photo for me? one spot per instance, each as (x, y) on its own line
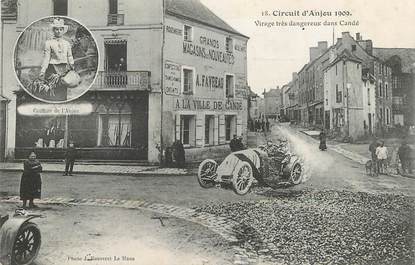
(56, 59)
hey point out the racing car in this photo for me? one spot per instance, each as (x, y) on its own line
(241, 168)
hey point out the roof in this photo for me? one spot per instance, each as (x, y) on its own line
(345, 54)
(8, 9)
(407, 56)
(196, 11)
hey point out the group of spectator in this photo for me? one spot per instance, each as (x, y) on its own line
(379, 153)
(258, 125)
(174, 155)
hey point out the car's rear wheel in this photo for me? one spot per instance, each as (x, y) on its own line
(242, 178)
(207, 173)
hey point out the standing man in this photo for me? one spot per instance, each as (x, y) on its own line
(234, 144)
(70, 156)
(404, 153)
(382, 156)
(372, 150)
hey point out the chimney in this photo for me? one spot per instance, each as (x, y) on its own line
(345, 34)
(367, 45)
(314, 53)
(358, 36)
(322, 46)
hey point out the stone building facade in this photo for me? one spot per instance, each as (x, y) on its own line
(185, 79)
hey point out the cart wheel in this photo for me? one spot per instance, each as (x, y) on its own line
(27, 244)
(242, 178)
(296, 174)
(207, 173)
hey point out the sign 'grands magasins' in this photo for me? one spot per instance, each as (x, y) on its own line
(210, 52)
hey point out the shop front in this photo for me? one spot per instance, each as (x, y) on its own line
(104, 125)
(204, 126)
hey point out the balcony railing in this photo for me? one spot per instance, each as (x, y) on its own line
(129, 80)
(116, 19)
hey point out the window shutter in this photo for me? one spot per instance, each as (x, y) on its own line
(238, 125)
(199, 130)
(177, 127)
(216, 130)
(222, 129)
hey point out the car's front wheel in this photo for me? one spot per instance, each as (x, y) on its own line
(296, 174)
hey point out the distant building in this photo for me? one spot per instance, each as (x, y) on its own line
(402, 63)
(333, 96)
(272, 103)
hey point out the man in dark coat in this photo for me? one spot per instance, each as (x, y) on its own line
(322, 136)
(404, 153)
(178, 154)
(233, 144)
(70, 156)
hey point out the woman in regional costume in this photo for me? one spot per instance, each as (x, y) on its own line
(57, 61)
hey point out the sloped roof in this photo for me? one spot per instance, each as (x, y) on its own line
(407, 56)
(346, 54)
(194, 10)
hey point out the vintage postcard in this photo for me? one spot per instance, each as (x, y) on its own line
(207, 132)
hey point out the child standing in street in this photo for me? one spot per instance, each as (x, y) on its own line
(382, 156)
(70, 156)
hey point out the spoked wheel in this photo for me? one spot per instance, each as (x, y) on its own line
(242, 178)
(27, 244)
(296, 174)
(207, 173)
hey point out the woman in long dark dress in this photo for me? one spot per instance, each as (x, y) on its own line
(31, 183)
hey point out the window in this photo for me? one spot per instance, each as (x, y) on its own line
(113, 8)
(387, 116)
(187, 130)
(187, 33)
(230, 128)
(187, 81)
(380, 89)
(336, 69)
(60, 7)
(229, 44)
(338, 95)
(357, 66)
(209, 121)
(116, 129)
(386, 90)
(229, 86)
(353, 47)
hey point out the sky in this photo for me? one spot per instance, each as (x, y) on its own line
(277, 51)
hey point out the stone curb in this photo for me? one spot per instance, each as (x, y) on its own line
(220, 225)
(139, 173)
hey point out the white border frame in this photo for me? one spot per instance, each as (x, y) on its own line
(14, 59)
